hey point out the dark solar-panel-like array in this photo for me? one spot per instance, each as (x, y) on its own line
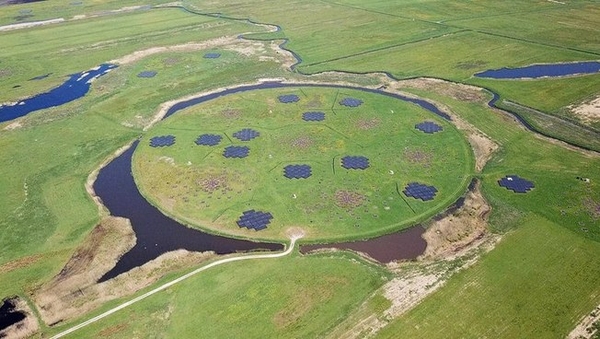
(351, 102)
(236, 152)
(289, 98)
(515, 183)
(255, 220)
(313, 116)
(208, 140)
(246, 134)
(428, 127)
(212, 55)
(163, 140)
(147, 74)
(420, 191)
(355, 162)
(297, 171)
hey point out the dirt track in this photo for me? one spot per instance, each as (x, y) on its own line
(289, 250)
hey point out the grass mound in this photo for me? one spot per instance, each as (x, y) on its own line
(354, 188)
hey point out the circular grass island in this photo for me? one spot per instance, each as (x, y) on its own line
(338, 163)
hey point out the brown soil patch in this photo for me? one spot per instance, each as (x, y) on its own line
(407, 292)
(585, 329)
(302, 142)
(20, 263)
(98, 253)
(109, 331)
(593, 207)
(367, 124)
(24, 328)
(30, 24)
(5, 72)
(13, 125)
(418, 156)
(454, 90)
(459, 231)
(74, 290)
(170, 61)
(348, 199)
(225, 41)
(588, 112)
(214, 183)
(314, 103)
(483, 148)
(295, 232)
(231, 113)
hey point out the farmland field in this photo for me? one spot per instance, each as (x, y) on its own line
(529, 269)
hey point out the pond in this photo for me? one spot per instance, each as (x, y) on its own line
(8, 315)
(404, 245)
(543, 70)
(74, 88)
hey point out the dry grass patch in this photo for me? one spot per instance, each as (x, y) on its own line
(20, 263)
(368, 124)
(456, 233)
(303, 142)
(418, 156)
(348, 199)
(588, 112)
(75, 291)
(65, 295)
(454, 90)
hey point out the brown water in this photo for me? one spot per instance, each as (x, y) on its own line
(404, 245)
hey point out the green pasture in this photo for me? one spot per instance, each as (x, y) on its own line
(45, 210)
(556, 127)
(292, 297)
(472, 52)
(67, 9)
(28, 53)
(444, 40)
(558, 196)
(538, 282)
(571, 25)
(381, 129)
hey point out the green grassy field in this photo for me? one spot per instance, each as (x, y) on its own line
(178, 178)
(299, 297)
(87, 43)
(45, 208)
(450, 41)
(539, 281)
